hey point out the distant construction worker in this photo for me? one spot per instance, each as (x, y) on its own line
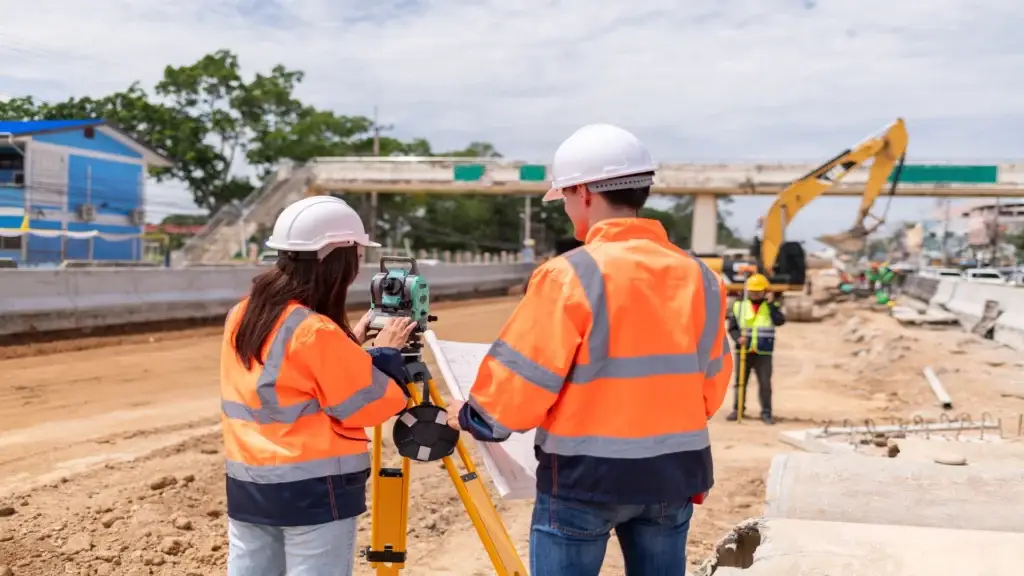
(752, 324)
(618, 355)
(297, 392)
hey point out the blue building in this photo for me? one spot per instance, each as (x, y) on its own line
(74, 188)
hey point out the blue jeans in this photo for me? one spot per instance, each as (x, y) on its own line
(323, 550)
(569, 537)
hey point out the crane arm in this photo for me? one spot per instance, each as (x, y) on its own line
(887, 149)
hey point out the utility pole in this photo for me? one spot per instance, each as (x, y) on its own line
(945, 234)
(995, 234)
(377, 128)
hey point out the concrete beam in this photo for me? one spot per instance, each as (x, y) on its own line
(404, 175)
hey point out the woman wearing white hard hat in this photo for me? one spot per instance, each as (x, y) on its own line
(297, 392)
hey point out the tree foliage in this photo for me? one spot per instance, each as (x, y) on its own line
(213, 121)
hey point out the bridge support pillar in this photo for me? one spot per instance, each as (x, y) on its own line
(704, 226)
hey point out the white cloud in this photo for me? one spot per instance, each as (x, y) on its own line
(697, 80)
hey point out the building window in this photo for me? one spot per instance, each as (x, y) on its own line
(10, 243)
(11, 162)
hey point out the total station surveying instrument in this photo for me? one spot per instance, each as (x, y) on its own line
(421, 433)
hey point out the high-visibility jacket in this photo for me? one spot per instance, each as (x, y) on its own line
(758, 326)
(618, 355)
(294, 432)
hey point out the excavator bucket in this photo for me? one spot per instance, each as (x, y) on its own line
(844, 242)
(849, 242)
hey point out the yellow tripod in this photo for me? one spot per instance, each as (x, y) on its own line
(390, 498)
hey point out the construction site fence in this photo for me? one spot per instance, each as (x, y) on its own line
(968, 301)
(33, 301)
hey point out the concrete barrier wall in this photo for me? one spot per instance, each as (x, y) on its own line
(921, 288)
(967, 301)
(48, 300)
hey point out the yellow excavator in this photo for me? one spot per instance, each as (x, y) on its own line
(784, 263)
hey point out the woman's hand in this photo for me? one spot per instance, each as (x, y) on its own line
(359, 330)
(395, 333)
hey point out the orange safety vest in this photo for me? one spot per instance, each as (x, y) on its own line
(618, 355)
(293, 428)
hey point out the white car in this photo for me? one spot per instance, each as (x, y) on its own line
(941, 273)
(986, 276)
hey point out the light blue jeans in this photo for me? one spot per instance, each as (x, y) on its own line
(323, 550)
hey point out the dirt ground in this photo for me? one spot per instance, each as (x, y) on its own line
(110, 458)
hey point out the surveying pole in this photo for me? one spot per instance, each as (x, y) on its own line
(741, 380)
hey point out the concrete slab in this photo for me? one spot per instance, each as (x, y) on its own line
(895, 491)
(911, 317)
(782, 547)
(994, 451)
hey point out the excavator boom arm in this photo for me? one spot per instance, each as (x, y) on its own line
(887, 149)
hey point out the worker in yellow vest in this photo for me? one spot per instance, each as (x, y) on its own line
(752, 324)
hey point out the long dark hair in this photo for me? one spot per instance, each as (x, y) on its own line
(320, 285)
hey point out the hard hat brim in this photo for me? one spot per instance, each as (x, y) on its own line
(317, 246)
(552, 195)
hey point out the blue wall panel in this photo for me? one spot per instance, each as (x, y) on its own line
(103, 249)
(99, 143)
(48, 250)
(13, 197)
(43, 250)
(112, 187)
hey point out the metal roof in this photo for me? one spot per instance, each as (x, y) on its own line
(28, 128)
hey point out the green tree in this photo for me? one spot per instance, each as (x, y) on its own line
(230, 116)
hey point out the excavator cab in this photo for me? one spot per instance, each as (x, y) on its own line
(788, 273)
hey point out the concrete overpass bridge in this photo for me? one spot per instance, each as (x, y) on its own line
(706, 182)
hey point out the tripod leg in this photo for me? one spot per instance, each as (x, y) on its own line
(389, 512)
(489, 526)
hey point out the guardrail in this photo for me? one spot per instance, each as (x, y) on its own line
(967, 300)
(68, 299)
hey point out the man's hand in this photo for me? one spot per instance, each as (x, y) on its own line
(359, 330)
(770, 297)
(742, 341)
(453, 410)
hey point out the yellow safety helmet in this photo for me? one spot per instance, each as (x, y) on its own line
(757, 283)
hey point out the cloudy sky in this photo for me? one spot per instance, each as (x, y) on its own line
(700, 80)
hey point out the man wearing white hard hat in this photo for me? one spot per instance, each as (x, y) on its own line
(617, 356)
(297, 393)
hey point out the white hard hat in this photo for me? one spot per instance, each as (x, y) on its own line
(600, 153)
(318, 224)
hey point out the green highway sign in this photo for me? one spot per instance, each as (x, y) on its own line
(948, 174)
(468, 172)
(533, 173)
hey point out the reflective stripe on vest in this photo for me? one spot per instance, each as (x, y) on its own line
(602, 365)
(756, 326)
(271, 412)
